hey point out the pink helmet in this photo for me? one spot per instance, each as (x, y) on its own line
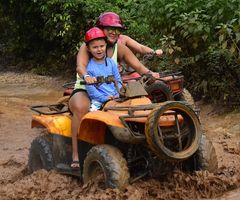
(110, 19)
(94, 33)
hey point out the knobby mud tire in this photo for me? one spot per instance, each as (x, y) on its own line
(186, 96)
(40, 154)
(155, 142)
(109, 160)
(206, 155)
(159, 86)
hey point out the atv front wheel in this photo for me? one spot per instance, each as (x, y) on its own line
(40, 154)
(105, 164)
(206, 158)
(173, 131)
(186, 96)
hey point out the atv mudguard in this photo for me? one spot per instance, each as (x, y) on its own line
(94, 124)
(55, 124)
(92, 128)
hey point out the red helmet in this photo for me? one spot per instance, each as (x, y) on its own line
(94, 33)
(110, 19)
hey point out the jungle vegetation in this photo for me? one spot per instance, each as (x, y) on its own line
(200, 38)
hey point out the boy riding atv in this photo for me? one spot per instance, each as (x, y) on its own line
(99, 65)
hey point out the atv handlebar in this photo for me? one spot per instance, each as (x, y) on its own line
(101, 79)
(144, 81)
(108, 80)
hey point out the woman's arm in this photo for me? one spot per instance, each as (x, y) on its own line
(136, 47)
(126, 55)
(82, 61)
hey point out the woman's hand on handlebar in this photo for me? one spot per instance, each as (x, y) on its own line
(158, 52)
(149, 56)
(155, 74)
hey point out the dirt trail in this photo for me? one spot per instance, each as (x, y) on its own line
(19, 91)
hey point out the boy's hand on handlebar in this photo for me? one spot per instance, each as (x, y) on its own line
(90, 80)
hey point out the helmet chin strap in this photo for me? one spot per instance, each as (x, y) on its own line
(106, 58)
(111, 44)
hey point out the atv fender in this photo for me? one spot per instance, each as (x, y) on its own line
(93, 126)
(56, 124)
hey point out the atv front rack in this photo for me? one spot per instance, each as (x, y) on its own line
(131, 109)
(52, 109)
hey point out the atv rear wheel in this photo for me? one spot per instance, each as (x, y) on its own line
(106, 164)
(159, 92)
(178, 141)
(40, 154)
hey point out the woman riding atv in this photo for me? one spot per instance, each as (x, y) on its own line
(79, 103)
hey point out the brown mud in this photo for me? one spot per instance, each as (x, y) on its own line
(18, 92)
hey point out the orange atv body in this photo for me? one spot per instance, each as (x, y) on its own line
(94, 124)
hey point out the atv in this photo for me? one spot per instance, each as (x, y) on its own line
(130, 138)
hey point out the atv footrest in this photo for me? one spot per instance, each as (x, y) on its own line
(63, 168)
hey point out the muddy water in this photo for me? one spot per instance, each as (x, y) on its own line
(18, 92)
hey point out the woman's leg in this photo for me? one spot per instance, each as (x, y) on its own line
(79, 105)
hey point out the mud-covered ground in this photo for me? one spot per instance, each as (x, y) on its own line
(20, 91)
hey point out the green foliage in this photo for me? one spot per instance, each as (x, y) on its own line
(191, 33)
(216, 76)
(54, 28)
(193, 24)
